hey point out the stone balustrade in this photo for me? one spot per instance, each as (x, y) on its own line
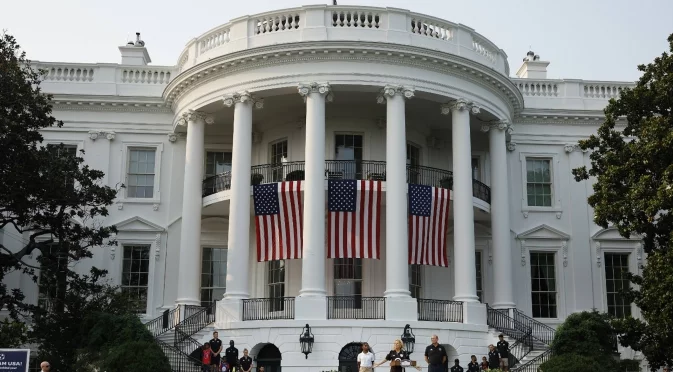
(569, 94)
(343, 23)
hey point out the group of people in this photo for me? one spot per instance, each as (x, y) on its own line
(211, 361)
(436, 358)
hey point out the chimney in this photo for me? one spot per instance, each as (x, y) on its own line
(135, 54)
(532, 67)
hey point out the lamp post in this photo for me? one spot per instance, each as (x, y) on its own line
(408, 339)
(306, 340)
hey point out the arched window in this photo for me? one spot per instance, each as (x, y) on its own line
(270, 358)
(348, 357)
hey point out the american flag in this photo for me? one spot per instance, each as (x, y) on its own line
(428, 222)
(354, 219)
(278, 220)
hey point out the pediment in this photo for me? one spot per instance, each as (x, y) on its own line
(138, 224)
(612, 233)
(543, 232)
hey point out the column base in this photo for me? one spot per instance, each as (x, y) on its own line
(187, 301)
(474, 313)
(310, 308)
(228, 310)
(504, 305)
(401, 308)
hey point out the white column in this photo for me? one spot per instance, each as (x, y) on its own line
(502, 252)
(397, 242)
(312, 303)
(189, 266)
(463, 214)
(399, 303)
(238, 246)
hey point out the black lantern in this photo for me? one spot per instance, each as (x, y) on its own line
(408, 339)
(306, 340)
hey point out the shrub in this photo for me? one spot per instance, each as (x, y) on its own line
(571, 363)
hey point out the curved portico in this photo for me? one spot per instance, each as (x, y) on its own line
(447, 87)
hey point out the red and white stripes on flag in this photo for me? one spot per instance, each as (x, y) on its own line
(278, 220)
(428, 223)
(354, 219)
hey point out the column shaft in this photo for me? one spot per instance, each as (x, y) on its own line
(313, 256)
(503, 291)
(397, 242)
(189, 266)
(463, 214)
(238, 247)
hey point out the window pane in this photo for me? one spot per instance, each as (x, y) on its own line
(543, 284)
(135, 275)
(616, 264)
(538, 182)
(140, 177)
(213, 274)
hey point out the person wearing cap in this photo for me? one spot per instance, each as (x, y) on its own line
(503, 351)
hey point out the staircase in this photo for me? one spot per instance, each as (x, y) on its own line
(176, 336)
(529, 339)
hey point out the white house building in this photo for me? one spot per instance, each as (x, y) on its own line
(319, 94)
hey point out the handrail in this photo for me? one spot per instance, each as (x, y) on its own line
(178, 360)
(164, 322)
(534, 364)
(440, 310)
(268, 308)
(199, 320)
(344, 170)
(356, 307)
(509, 326)
(541, 331)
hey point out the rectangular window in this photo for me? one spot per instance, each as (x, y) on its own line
(213, 274)
(476, 168)
(480, 288)
(348, 279)
(543, 284)
(278, 152)
(275, 284)
(616, 265)
(65, 150)
(48, 279)
(217, 162)
(413, 161)
(140, 179)
(538, 182)
(136, 275)
(348, 150)
(415, 280)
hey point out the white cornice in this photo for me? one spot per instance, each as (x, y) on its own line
(347, 51)
(110, 103)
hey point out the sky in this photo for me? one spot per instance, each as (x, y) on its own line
(583, 39)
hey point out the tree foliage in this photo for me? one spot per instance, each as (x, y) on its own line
(632, 163)
(583, 342)
(632, 160)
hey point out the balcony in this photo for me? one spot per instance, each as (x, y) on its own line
(344, 170)
(440, 310)
(356, 307)
(268, 308)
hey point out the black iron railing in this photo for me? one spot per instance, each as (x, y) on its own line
(521, 333)
(196, 319)
(540, 331)
(440, 310)
(165, 322)
(344, 170)
(179, 360)
(534, 364)
(356, 307)
(268, 308)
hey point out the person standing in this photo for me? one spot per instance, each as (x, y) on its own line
(245, 362)
(435, 355)
(396, 354)
(493, 357)
(473, 366)
(456, 366)
(484, 364)
(206, 357)
(231, 356)
(365, 359)
(216, 347)
(503, 350)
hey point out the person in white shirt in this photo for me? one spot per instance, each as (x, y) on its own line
(365, 359)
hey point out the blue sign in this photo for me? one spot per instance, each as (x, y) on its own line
(14, 360)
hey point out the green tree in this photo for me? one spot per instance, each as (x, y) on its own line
(583, 342)
(632, 163)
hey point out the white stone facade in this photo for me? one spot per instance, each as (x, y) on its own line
(307, 76)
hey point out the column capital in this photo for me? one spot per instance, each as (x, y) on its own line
(242, 97)
(193, 115)
(502, 125)
(174, 137)
(392, 90)
(460, 104)
(325, 89)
